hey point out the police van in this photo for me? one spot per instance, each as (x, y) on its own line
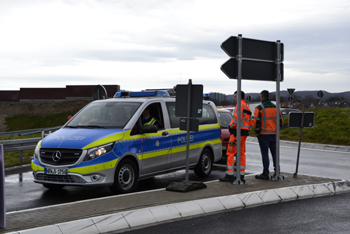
(106, 144)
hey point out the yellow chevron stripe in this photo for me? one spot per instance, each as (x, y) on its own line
(94, 168)
(105, 140)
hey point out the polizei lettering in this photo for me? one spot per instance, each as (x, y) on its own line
(181, 140)
(69, 138)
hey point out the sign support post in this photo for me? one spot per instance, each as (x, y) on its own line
(295, 175)
(2, 186)
(278, 117)
(238, 132)
(188, 129)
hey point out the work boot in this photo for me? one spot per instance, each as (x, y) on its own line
(227, 178)
(262, 176)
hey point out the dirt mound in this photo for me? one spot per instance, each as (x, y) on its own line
(38, 108)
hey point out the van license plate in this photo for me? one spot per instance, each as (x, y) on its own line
(54, 171)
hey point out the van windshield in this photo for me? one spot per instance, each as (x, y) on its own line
(104, 115)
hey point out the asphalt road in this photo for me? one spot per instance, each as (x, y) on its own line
(329, 214)
(22, 193)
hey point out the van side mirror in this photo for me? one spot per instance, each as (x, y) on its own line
(149, 129)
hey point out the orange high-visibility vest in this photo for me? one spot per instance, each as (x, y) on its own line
(265, 119)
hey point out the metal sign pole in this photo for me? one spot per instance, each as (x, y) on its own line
(188, 128)
(300, 135)
(278, 64)
(238, 132)
(2, 185)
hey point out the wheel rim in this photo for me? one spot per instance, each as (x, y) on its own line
(206, 163)
(126, 177)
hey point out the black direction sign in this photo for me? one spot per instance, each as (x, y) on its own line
(253, 49)
(252, 70)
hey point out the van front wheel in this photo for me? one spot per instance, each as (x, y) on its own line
(125, 178)
(205, 164)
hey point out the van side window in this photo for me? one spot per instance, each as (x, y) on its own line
(208, 115)
(155, 112)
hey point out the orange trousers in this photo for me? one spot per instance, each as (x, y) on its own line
(231, 152)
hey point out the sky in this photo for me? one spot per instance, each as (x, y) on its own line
(150, 44)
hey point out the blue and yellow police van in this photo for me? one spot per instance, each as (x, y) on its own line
(107, 144)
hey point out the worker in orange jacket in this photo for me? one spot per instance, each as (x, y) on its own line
(246, 124)
(265, 126)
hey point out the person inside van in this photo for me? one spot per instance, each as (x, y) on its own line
(148, 119)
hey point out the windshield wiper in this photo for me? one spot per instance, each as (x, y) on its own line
(70, 126)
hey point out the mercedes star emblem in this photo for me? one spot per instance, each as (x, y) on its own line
(56, 156)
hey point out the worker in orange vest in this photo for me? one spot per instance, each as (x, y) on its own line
(246, 124)
(265, 127)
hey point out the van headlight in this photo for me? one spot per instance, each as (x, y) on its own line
(37, 152)
(98, 151)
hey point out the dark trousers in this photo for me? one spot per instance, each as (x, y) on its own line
(267, 142)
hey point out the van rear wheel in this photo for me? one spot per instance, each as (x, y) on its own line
(125, 178)
(205, 164)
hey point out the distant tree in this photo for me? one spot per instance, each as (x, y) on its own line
(336, 99)
(307, 100)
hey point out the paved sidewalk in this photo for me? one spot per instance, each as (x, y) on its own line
(123, 212)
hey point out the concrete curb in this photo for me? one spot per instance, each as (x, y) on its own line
(153, 215)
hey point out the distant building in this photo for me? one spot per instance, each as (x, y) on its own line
(70, 92)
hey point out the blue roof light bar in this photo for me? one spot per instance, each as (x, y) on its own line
(157, 93)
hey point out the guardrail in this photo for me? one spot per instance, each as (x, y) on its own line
(20, 145)
(24, 144)
(28, 131)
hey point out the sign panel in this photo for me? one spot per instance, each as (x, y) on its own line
(320, 94)
(295, 119)
(194, 125)
(252, 70)
(99, 92)
(253, 49)
(290, 91)
(181, 104)
(249, 98)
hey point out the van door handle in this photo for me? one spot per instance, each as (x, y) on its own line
(165, 133)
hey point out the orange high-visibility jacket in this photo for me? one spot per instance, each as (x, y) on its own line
(265, 118)
(246, 117)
